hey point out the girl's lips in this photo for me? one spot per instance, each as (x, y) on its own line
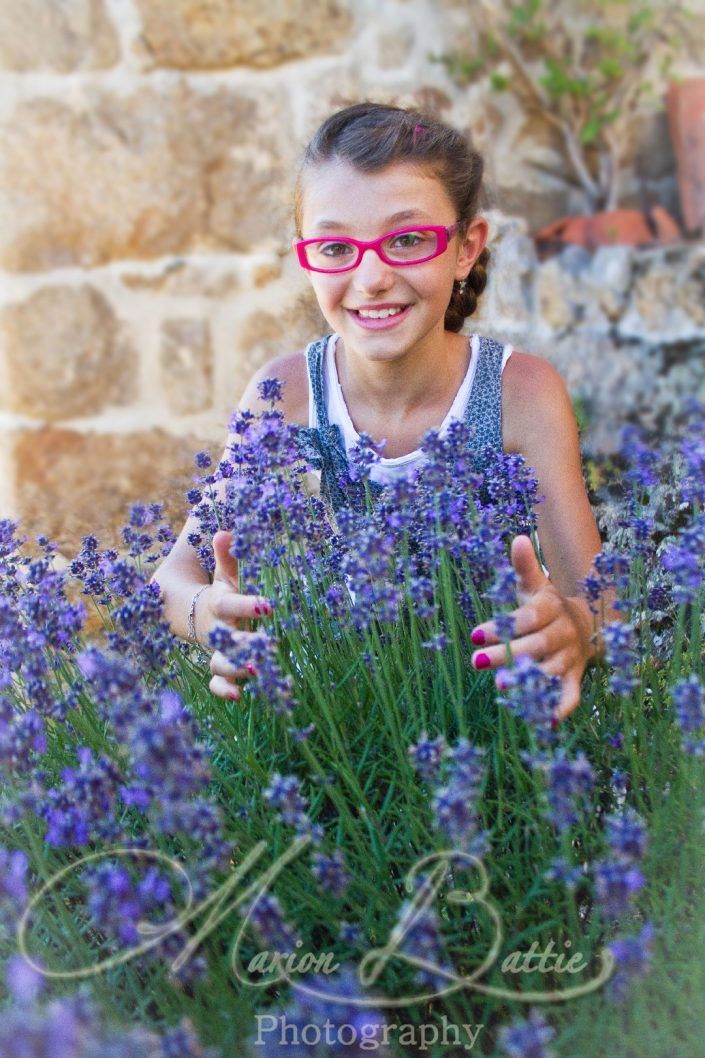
(379, 325)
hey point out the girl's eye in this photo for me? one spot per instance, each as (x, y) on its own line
(408, 240)
(334, 249)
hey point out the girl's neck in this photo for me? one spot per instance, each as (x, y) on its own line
(425, 378)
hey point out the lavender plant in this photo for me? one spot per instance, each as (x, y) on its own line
(215, 851)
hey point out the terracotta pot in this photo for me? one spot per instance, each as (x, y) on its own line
(613, 227)
(686, 115)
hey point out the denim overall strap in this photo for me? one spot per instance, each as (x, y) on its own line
(324, 447)
(483, 411)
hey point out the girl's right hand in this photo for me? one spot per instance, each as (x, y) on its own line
(222, 604)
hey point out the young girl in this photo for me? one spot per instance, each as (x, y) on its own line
(390, 239)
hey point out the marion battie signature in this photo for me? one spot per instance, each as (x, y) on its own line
(423, 882)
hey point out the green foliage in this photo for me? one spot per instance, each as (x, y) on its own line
(580, 64)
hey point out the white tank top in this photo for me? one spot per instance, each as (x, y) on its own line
(393, 467)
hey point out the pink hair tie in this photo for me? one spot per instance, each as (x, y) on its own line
(418, 132)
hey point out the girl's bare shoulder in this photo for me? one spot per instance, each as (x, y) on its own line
(290, 369)
(535, 402)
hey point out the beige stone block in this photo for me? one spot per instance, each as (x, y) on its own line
(184, 280)
(69, 484)
(263, 274)
(262, 336)
(66, 354)
(142, 176)
(394, 48)
(212, 34)
(186, 360)
(61, 37)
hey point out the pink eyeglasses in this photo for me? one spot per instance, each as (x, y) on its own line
(408, 246)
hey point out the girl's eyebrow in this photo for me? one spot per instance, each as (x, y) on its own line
(404, 214)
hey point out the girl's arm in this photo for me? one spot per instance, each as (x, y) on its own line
(554, 623)
(180, 575)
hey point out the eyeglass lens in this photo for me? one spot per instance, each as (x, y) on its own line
(334, 254)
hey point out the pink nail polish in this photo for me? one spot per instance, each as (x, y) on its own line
(257, 609)
(478, 637)
(251, 669)
(482, 661)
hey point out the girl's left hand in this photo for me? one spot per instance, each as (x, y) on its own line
(554, 630)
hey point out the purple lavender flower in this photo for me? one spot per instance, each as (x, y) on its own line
(349, 933)
(265, 914)
(330, 872)
(527, 1038)
(626, 834)
(437, 642)
(284, 794)
(502, 592)
(644, 461)
(270, 389)
(559, 870)
(455, 804)
(74, 1028)
(686, 568)
(202, 460)
(362, 456)
(693, 452)
(530, 693)
(616, 884)
(426, 756)
(611, 569)
(259, 650)
(569, 783)
(13, 887)
(659, 597)
(688, 697)
(633, 959)
(82, 808)
(622, 656)
(313, 1025)
(117, 902)
(168, 762)
(422, 940)
(24, 983)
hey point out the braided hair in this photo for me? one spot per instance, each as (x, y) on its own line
(372, 136)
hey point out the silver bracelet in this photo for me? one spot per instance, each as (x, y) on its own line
(191, 620)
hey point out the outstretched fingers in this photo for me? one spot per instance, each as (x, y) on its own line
(232, 607)
(570, 696)
(223, 682)
(528, 619)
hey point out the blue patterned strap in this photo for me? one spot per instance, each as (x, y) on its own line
(323, 445)
(483, 411)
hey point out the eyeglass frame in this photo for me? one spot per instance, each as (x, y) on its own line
(444, 234)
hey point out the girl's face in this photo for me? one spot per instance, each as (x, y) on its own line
(340, 200)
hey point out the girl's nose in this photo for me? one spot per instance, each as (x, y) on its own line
(373, 273)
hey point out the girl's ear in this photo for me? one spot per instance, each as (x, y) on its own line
(472, 245)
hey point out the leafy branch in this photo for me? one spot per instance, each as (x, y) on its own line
(582, 66)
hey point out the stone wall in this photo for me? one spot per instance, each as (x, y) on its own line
(148, 154)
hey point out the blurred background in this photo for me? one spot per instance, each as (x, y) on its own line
(148, 150)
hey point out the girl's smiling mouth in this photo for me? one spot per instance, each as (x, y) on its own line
(379, 317)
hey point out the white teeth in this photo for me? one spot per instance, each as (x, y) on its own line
(379, 314)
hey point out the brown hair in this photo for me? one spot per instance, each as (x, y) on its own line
(373, 135)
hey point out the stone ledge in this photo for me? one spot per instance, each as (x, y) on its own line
(192, 35)
(36, 35)
(69, 484)
(66, 354)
